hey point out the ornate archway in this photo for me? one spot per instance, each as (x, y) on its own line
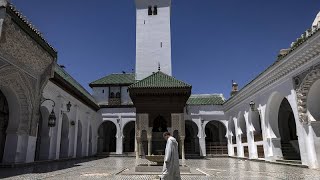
(4, 120)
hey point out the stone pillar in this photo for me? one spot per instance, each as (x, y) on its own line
(312, 156)
(253, 153)
(76, 131)
(139, 146)
(182, 149)
(249, 117)
(202, 139)
(149, 146)
(119, 144)
(202, 144)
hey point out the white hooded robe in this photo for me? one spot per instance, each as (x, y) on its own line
(171, 169)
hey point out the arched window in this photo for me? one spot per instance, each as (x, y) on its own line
(155, 10)
(149, 10)
(118, 95)
(112, 95)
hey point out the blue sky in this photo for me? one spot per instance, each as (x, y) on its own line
(213, 41)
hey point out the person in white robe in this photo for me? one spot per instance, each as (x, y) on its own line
(171, 169)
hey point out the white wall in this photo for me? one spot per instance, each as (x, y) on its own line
(150, 32)
(79, 112)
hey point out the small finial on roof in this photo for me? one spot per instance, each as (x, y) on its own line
(159, 67)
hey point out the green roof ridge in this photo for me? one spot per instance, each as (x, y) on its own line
(115, 78)
(67, 77)
(160, 80)
(206, 99)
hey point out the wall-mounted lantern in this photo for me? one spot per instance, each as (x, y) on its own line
(52, 117)
(73, 123)
(68, 108)
(252, 106)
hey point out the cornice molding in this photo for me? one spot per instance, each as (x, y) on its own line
(301, 56)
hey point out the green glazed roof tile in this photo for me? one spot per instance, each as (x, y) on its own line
(68, 78)
(116, 79)
(206, 99)
(160, 80)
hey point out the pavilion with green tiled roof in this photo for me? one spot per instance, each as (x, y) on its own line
(159, 80)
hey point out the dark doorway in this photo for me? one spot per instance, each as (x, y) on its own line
(107, 137)
(216, 142)
(288, 132)
(129, 137)
(191, 142)
(4, 120)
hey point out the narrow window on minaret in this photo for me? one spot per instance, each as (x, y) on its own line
(161, 44)
(155, 10)
(149, 10)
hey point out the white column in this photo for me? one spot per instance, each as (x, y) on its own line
(312, 156)
(76, 131)
(149, 146)
(182, 148)
(87, 134)
(119, 144)
(56, 131)
(230, 145)
(253, 154)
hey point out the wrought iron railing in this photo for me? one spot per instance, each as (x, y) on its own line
(216, 148)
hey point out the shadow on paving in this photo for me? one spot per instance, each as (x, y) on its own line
(42, 167)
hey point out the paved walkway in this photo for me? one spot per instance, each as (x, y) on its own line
(111, 168)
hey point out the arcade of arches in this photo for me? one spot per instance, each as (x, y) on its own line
(215, 140)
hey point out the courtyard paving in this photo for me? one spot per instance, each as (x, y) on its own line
(114, 168)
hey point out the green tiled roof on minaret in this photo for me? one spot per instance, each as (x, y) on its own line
(159, 80)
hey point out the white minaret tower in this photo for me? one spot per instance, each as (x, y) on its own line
(153, 39)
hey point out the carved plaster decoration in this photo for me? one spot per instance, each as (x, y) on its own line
(14, 82)
(178, 124)
(142, 124)
(22, 50)
(311, 76)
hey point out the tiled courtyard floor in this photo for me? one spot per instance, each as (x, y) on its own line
(108, 168)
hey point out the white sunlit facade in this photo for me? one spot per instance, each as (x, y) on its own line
(45, 114)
